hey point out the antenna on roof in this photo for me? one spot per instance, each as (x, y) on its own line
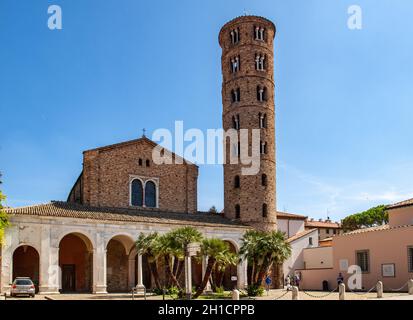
(143, 132)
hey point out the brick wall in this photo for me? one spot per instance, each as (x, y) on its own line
(251, 195)
(107, 174)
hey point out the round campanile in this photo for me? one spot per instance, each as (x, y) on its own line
(248, 103)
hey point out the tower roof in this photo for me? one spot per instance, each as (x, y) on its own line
(247, 18)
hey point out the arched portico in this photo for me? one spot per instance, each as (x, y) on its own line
(26, 263)
(118, 264)
(76, 263)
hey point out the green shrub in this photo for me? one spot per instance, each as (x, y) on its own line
(173, 290)
(157, 291)
(255, 291)
(219, 289)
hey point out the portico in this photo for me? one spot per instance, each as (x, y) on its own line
(85, 249)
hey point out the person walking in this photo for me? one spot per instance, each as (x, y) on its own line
(340, 278)
(297, 280)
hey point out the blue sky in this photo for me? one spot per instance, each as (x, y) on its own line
(343, 97)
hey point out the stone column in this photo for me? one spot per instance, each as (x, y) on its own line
(342, 291)
(242, 274)
(379, 289)
(188, 277)
(99, 266)
(6, 270)
(140, 271)
(49, 275)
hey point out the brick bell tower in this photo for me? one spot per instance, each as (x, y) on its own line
(248, 103)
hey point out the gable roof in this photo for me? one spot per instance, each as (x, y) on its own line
(143, 139)
(72, 210)
(405, 203)
(322, 224)
(300, 235)
(286, 215)
(377, 228)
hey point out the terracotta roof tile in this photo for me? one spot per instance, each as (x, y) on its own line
(373, 229)
(300, 235)
(322, 224)
(287, 215)
(72, 210)
(405, 203)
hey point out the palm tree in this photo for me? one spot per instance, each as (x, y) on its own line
(145, 245)
(180, 239)
(166, 247)
(214, 249)
(262, 250)
(225, 260)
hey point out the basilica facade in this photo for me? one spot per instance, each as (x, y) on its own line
(86, 243)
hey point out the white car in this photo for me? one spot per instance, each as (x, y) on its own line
(22, 286)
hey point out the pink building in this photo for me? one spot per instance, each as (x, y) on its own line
(383, 253)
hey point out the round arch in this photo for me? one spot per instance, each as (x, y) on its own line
(231, 271)
(76, 262)
(117, 262)
(26, 263)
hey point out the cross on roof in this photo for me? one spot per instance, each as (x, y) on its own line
(143, 132)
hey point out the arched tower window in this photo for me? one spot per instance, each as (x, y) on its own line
(136, 193)
(235, 122)
(259, 33)
(236, 95)
(260, 62)
(235, 64)
(264, 180)
(150, 194)
(148, 163)
(237, 182)
(264, 210)
(237, 211)
(261, 93)
(140, 162)
(262, 120)
(263, 147)
(234, 34)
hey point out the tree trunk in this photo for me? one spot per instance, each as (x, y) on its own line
(263, 271)
(169, 272)
(180, 269)
(154, 271)
(208, 271)
(175, 265)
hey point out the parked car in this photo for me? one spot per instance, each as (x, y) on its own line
(22, 286)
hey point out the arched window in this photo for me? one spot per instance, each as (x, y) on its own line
(234, 36)
(236, 95)
(263, 148)
(264, 180)
(148, 163)
(261, 93)
(260, 63)
(140, 161)
(259, 33)
(237, 182)
(137, 193)
(264, 210)
(235, 122)
(237, 211)
(150, 194)
(262, 120)
(235, 64)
